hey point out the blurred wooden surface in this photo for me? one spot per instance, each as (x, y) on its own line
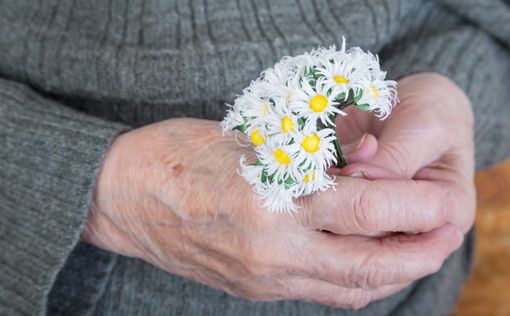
(487, 292)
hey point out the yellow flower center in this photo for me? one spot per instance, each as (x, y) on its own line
(287, 124)
(256, 138)
(341, 80)
(265, 109)
(374, 92)
(282, 157)
(311, 143)
(318, 103)
(307, 179)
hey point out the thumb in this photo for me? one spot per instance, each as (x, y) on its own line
(407, 150)
(361, 149)
(402, 148)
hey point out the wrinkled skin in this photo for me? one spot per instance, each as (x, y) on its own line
(169, 193)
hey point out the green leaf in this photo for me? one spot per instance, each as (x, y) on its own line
(240, 128)
(301, 122)
(363, 107)
(289, 182)
(358, 96)
(263, 176)
(258, 163)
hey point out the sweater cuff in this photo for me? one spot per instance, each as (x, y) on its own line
(478, 65)
(49, 158)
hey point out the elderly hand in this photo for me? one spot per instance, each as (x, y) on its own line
(428, 137)
(169, 193)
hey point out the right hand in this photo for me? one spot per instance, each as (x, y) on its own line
(169, 193)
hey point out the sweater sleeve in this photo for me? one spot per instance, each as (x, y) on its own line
(49, 156)
(464, 51)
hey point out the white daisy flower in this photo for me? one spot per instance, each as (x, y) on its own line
(255, 108)
(288, 114)
(342, 72)
(368, 64)
(378, 96)
(367, 59)
(315, 148)
(314, 180)
(257, 135)
(284, 70)
(280, 94)
(283, 124)
(278, 199)
(316, 103)
(328, 53)
(232, 119)
(278, 159)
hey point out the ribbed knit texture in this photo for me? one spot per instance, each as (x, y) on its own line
(73, 68)
(49, 156)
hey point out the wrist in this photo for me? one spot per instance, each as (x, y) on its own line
(100, 229)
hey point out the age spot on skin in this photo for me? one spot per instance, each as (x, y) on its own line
(177, 170)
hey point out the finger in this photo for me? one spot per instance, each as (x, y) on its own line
(336, 296)
(364, 207)
(367, 171)
(464, 192)
(363, 149)
(414, 135)
(360, 150)
(405, 150)
(370, 263)
(351, 126)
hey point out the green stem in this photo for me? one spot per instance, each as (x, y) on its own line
(342, 160)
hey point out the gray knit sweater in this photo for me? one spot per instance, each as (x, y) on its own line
(73, 74)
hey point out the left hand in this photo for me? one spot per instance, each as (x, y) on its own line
(428, 137)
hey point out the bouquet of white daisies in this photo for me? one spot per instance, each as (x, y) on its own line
(289, 113)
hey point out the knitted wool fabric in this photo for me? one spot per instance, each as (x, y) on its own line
(73, 74)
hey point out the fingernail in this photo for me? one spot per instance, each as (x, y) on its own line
(362, 140)
(359, 174)
(351, 147)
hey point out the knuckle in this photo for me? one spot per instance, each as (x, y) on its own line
(374, 276)
(357, 300)
(361, 212)
(361, 302)
(372, 273)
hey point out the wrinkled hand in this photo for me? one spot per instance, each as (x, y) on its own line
(428, 137)
(169, 194)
